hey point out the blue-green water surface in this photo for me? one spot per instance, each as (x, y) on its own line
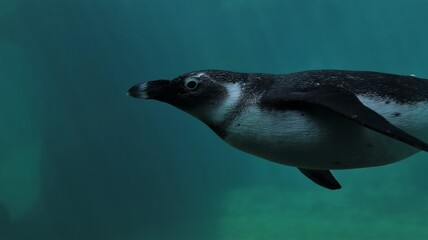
(80, 160)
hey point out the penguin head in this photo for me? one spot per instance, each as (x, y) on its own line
(207, 95)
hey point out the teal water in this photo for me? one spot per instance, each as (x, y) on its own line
(79, 160)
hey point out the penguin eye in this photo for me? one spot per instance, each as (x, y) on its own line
(190, 83)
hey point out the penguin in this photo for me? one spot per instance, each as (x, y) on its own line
(316, 121)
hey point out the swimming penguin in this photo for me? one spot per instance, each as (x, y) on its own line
(316, 121)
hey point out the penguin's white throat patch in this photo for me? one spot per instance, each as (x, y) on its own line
(217, 113)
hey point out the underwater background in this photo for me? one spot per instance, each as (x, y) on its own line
(80, 160)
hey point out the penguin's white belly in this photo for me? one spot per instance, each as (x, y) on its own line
(322, 139)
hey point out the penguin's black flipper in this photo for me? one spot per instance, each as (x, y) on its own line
(345, 103)
(323, 178)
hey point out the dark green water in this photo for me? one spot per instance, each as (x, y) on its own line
(79, 160)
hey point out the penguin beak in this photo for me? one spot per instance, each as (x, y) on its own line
(157, 89)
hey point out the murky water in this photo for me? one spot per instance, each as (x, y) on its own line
(81, 160)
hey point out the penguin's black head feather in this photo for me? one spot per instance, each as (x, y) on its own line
(195, 92)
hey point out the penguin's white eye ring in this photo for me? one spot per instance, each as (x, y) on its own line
(191, 83)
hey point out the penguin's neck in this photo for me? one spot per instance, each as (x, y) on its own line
(226, 108)
(220, 115)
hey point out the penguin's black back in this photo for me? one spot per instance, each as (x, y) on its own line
(398, 88)
(402, 89)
